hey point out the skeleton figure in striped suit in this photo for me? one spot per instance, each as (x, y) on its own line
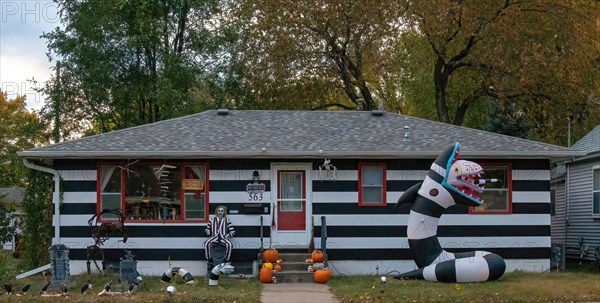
(219, 230)
(449, 181)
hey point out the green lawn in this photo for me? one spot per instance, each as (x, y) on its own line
(573, 285)
(512, 287)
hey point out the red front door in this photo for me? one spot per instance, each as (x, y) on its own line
(291, 200)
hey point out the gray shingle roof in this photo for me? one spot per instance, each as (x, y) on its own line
(590, 142)
(296, 134)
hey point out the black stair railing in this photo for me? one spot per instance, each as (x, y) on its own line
(261, 235)
(324, 238)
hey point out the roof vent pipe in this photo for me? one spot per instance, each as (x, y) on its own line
(377, 112)
(222, 111)
(407, 137)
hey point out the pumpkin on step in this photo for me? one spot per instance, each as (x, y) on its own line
(271, 255)
(322, 275)
(277, 267)
(317, 256)
(265, 275)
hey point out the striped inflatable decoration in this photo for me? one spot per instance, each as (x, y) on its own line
(177, 271)
(450, 181)
(217, 271)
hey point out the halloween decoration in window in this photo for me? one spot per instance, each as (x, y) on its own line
(154, 191)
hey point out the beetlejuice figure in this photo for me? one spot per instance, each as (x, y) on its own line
(219, 230)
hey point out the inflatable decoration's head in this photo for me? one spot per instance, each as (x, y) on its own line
(461, 177)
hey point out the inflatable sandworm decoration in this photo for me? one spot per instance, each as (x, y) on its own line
(449, 181)
(177, 271)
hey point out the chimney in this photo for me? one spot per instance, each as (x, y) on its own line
(360, 104)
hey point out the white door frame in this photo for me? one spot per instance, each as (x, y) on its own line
(291, 239)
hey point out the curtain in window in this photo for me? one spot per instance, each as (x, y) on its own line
(106, 174)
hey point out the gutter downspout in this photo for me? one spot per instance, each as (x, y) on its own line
(55, 195)
(567, 198)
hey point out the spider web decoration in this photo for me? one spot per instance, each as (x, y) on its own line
(327, 171)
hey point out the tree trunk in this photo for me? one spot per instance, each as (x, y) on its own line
(440, 79)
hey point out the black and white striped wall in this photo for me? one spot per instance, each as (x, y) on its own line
(361, 240)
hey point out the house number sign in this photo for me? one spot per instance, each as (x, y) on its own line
(255, 191)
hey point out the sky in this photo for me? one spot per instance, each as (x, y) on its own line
(22, 51)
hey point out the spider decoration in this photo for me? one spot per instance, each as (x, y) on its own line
(101, 233)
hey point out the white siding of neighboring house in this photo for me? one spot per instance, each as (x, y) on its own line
(560, 207)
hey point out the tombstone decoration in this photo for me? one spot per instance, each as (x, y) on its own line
(59, 264)
(128, 269)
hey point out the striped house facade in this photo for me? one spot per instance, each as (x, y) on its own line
(270, 169)
(361, 239)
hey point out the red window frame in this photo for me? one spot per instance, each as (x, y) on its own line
(383, 185)
(180, 166)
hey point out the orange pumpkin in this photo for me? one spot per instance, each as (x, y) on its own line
(277, 267)
(322, 275)
(318, 256)
(265, 275)
(271, 255)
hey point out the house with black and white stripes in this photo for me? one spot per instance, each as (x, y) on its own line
(291, 180)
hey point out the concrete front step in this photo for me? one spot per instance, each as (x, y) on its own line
(294, 268)
(294, 257)
(294, 276)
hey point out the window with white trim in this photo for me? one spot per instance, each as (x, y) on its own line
(497, 196)
(371, 182)
(596, 191)
(147, 191)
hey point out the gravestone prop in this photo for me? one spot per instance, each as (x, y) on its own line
(128, 269)
(59, 264)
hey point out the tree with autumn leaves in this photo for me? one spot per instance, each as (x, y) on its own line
(19, 129)
(538, 57)
(445, 60)
(131, 62)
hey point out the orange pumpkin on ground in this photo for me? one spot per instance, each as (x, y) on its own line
(318, 256)
(265, 275)
(322, 275)
(270, 255)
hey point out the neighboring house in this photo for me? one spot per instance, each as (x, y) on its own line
(286, 170)
(576, 187)
(15, 196)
